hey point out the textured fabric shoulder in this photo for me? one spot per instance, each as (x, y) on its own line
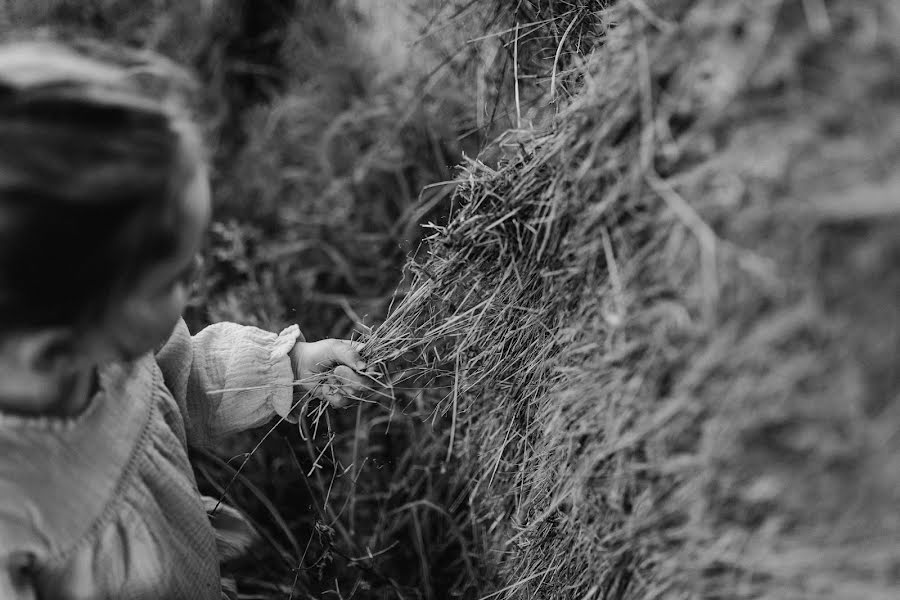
(58, 476)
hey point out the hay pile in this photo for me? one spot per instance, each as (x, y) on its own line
(670, 322)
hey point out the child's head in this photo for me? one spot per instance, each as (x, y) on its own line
(103, 200)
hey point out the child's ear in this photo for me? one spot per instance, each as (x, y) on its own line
(49, 349)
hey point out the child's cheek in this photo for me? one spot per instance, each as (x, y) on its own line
(147, 323)
(168, 311)
(178, 300)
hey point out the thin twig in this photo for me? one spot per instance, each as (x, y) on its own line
(516, 77)
(559, 48)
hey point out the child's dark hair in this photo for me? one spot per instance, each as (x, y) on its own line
(94, 155)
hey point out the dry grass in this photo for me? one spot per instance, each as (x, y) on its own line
(652, 349)
(658, 321)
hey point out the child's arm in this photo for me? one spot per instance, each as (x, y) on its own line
(231, 377)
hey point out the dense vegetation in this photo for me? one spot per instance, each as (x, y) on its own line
(649, 346)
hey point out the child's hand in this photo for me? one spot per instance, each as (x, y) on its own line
(328, 369)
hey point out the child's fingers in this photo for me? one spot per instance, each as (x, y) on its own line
(349, 380)
(347, 353)
(332, 394)
(341, 386)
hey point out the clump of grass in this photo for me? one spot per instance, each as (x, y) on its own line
(549, 41)
(656, 321)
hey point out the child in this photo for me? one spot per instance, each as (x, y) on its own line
(103, 202)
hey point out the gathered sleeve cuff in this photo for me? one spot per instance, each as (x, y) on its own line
(229, 377)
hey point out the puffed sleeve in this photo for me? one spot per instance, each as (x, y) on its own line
(228, 377)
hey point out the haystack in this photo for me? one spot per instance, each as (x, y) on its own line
(669, 320)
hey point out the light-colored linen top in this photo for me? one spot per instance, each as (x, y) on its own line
(104, 504)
